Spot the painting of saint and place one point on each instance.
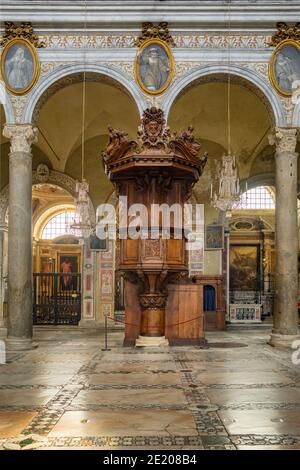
(214, 236)
(285, 68)
(19, 66)
(97, 244)
(68, 266)
(244, 267)
(154, 67)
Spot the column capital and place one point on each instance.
(285, 139)
(21, 136)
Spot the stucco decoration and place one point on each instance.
(117, 41)
(239, 224)
(289, 107)
(18, 103)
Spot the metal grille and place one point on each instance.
(56, 298)
(264, 296)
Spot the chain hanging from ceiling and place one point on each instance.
(228, 194)
(82, 225)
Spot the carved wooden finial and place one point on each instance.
(151, 31)
(285, 31)
(21, 31)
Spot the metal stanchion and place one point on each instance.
(105, 348)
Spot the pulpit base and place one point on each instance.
(151, 341)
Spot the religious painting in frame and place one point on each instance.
(97, 244)
(68, 265)
(244, 267)
(154, 66)
(214, 237)
(47, 264)
(20, 66)
(284, 67)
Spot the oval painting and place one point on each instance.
(19, 66)
(154, 67)
(285, 67)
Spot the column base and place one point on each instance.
(282, 341)
(151, 341)
(20, 344)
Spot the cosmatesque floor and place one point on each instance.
(239, 393)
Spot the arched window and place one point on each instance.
(261, 197)
(58, 225)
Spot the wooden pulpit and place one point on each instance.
(157, 168)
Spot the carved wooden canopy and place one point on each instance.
(155, 147)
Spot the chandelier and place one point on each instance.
(82, 226)
(228, 194)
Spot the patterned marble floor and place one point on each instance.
(238, 394)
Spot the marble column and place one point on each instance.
(19, 325)
(285, 327)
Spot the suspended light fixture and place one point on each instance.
(228, 194)
(82, 226)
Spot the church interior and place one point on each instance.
(140, 343)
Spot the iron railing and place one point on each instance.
(56, 298)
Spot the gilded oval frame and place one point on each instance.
(272, 76)
(170, 57)
(36, 64)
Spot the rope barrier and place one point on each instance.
(166, 326)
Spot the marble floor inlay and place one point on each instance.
(239, 393)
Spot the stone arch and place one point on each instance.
(7, 105)
(44, 217)
(68, 74)
(56, 178)
(265, 179)
(240, 75)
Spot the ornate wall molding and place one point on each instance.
(125, 41)
(18, 103)
(284, 32)
(289, 108)
(21, 31)
(249, 224)
(155, 31)
(260, 68)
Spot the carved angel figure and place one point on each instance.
(116, 138)
(189, 139)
